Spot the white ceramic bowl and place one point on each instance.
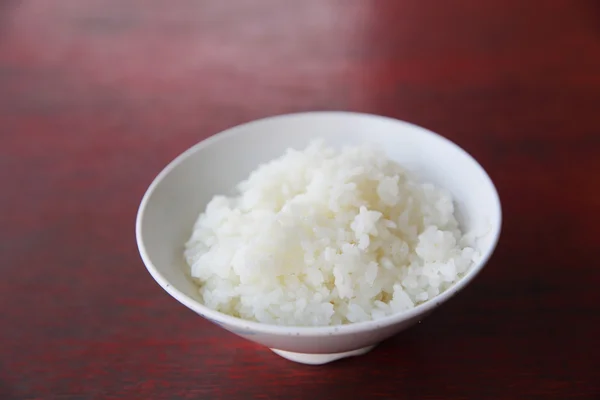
(181, 191)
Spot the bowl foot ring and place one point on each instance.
(318, 359)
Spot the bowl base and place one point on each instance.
(318, 359)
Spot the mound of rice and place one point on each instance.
(326, 237)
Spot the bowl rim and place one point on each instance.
(258, 327)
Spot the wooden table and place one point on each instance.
(96, 96)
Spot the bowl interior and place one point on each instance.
(182, 190)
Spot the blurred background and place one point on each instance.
(96, 96)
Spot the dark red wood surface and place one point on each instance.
(96, 96)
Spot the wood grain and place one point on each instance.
(97, 96)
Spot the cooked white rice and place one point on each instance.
(326, 237)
